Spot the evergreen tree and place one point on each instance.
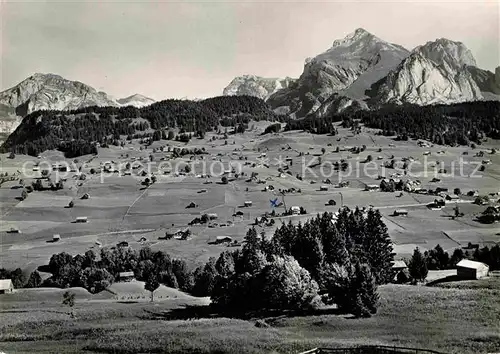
(35, 280)
(363, 296)
(377, 247)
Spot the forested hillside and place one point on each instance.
(77, 132)
(460, 123)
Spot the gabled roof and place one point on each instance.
(465, 263)
(6, 284)
(126, 274)
(399, 264)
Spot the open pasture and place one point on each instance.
(448, 320)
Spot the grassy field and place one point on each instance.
(450, 320)
(454, 317)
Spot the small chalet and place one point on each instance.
(372, 187)
(223, 239)
(126, 276)
(400, 212)
(123, 244)
(295, 210)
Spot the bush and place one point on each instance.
(273, 128)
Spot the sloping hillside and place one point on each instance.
(77, 132)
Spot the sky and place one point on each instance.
(167, 49)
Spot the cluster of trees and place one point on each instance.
(438, 259)
(96, 275)
(391, 185)
(314, 125)
(77, 132)
(490, 215)
(456, 124)
(272, 128)
(178, 152)
(344, 261)
(301, 266)
(19, 280)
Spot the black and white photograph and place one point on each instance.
(250, 177)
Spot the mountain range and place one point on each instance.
(359, 71)
(362, 71)
(53, 92)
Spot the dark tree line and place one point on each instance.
(456, 124)
(438, 259)
(97, 274)
(77, 132)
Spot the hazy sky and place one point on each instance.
(194, 49)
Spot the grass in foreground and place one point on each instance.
(448, 320)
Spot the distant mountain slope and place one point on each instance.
(136, 100)
(53, 92)
(348, 68)
(442, 71)
(257, 86)
(488, 82)
(77, 132)
(49, 91)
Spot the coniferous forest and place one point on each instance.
(456, 124)
(77, 132)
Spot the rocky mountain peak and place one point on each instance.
(359, 34)
(443, 51)
(252, 85)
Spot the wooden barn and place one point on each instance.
(467, 269)
(400, 212)
(6, 286)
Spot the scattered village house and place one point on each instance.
(6, 286)
(400, 212)
(295, 210)
(400, 270)
(223, 239)
(372, 187)
(467, 269)
(212, 216)
(248, 203)
(81, 219)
